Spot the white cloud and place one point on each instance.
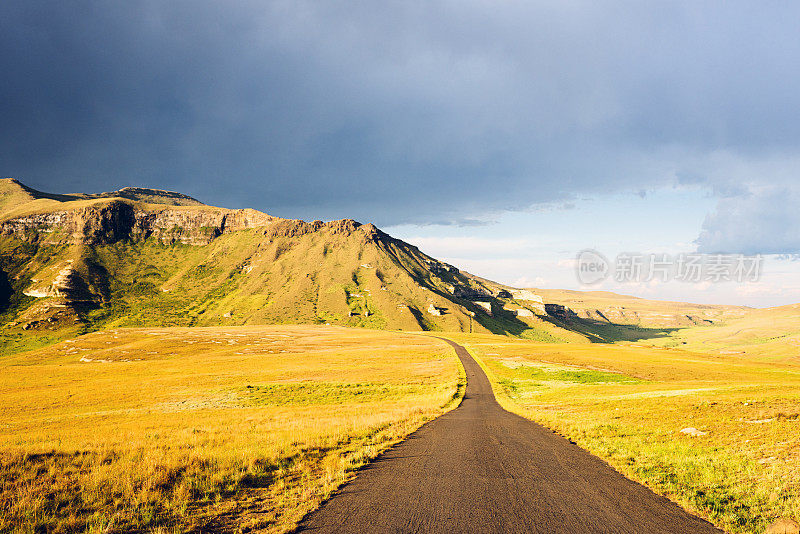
(471, 247)
(761, 220)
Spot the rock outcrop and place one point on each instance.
(433, 310)
(112, 221)
(486, 306)
(282, 228)
(557, 310)
(470, 293)
(526, 294)
(439, 267)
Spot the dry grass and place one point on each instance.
(220, 429)
(768, 334)
(630, 310)
(628, 404)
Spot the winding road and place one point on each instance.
(479, 468)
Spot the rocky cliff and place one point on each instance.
(111, 221)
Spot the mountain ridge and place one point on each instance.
(103, 260)
(147, 257)
(15, 194)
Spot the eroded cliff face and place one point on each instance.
(194, 226)
(95, 224)
(116, 220)
(288, 228)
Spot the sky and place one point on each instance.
(502, 137)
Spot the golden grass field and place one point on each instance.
(769, 334)
(228, 429)
(248, 428)
(628, 405)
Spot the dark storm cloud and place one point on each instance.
(397, 111)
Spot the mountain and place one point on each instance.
(149, 257)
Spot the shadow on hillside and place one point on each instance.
(502, 322)
(607, 332)
(508, 324)
(5, 291)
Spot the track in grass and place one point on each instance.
(480, 468)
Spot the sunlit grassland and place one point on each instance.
(769, 334)
(628, 404)
(235, 428)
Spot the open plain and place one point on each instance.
(220, 429)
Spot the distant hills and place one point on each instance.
(149, 257)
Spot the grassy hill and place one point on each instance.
(606, 317)
(765, 334)
(630, 310)
(136, 257)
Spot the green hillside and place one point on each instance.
(81, 262)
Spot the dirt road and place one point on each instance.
(480, 468)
